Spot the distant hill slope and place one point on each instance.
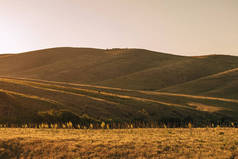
(223, 84)
(123, 68)
(174, 72)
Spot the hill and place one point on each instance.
(30, 100)
(81, 65)
(174, 72)
(223, 84)
(79, 84)
(123, 68)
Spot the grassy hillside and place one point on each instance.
(223, 84)
(174, 72)
(81, 65)
(123, 68)
(37, 101)
(77, 84)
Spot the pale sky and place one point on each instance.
(185, 27)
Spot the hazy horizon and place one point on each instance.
(184, 28)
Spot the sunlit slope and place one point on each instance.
(45, 100)
(223, 84)
(124, 68)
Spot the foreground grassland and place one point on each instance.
(121, 143)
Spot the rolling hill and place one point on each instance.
(223, 84)
(37, 100)
(123, 68)
(81, 65)
(74, 84)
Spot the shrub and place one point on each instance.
(190, 125)
(70, 125)
(103, 125)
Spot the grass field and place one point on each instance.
(119, 143)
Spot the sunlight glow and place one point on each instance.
(181, 27)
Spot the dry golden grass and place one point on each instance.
(124, 143)
(206, 108)
(190, 96)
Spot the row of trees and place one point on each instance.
(124, 124)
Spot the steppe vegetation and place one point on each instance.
(90, 103)
(119, 143)
(79, 85)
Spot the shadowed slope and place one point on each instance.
(18, 107)
(106, 103)
(174, 72)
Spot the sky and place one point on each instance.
(184, 27)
